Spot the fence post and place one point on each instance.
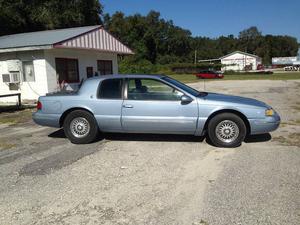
(19, 100)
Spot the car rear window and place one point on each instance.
(111, 89)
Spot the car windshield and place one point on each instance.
(184, 87)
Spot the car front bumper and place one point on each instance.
(50, 120)
(265, 125)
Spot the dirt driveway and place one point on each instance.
(156, 179)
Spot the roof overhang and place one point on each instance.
(240, 52)
(91, 49)
(26, 48)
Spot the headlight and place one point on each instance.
(269, 112)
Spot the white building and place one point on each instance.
(36, 63)
(287, 61)
(298, 58)
(240, 61)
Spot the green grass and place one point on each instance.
(290, 140)
(297, 106)
(4, 145)
(13, 115)
(189, 78)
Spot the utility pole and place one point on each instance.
(195, 57)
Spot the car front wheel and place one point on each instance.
(80, 127)
(226, 130)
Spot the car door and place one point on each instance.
(152, 106)
(108, 105)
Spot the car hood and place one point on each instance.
(231, 99)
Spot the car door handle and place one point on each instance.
(128, 106)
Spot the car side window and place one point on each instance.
(150, 89)
(111, 89)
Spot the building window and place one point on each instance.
(89, 72)
(67, 70)
(105, 67)
(28, 71)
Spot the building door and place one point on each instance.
(105, 67)
(89, 71)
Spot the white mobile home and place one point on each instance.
(239, 61)
(37, 63)
(287, 61)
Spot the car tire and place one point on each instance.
(226, 130)
(80, 127)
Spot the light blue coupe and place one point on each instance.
(153, 104)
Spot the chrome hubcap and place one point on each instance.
(80, 127)
(227, 131)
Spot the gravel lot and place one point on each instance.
(156, 179)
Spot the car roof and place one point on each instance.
(116, 76)
(92, 83)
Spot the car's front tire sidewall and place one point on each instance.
(223, 117)
(93, 127)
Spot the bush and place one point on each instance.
(134, 66)
(188, 68)
(232, 72)
(228, 72)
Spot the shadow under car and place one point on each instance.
(160, 137)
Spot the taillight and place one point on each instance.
(39, 106)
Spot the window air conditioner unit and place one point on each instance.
(15, 77)
(6, 78)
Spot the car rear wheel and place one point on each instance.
(226, 130)
(80, 127)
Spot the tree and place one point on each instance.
(250, 33)
(151, 37)
(17, 16)
(249, 39)
(206, 48)
(226, 44)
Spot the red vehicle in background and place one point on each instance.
(260, 67)
(209, 74)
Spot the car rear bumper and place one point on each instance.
(266, 125)
(50, 120)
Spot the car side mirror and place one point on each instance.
(186, 99)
